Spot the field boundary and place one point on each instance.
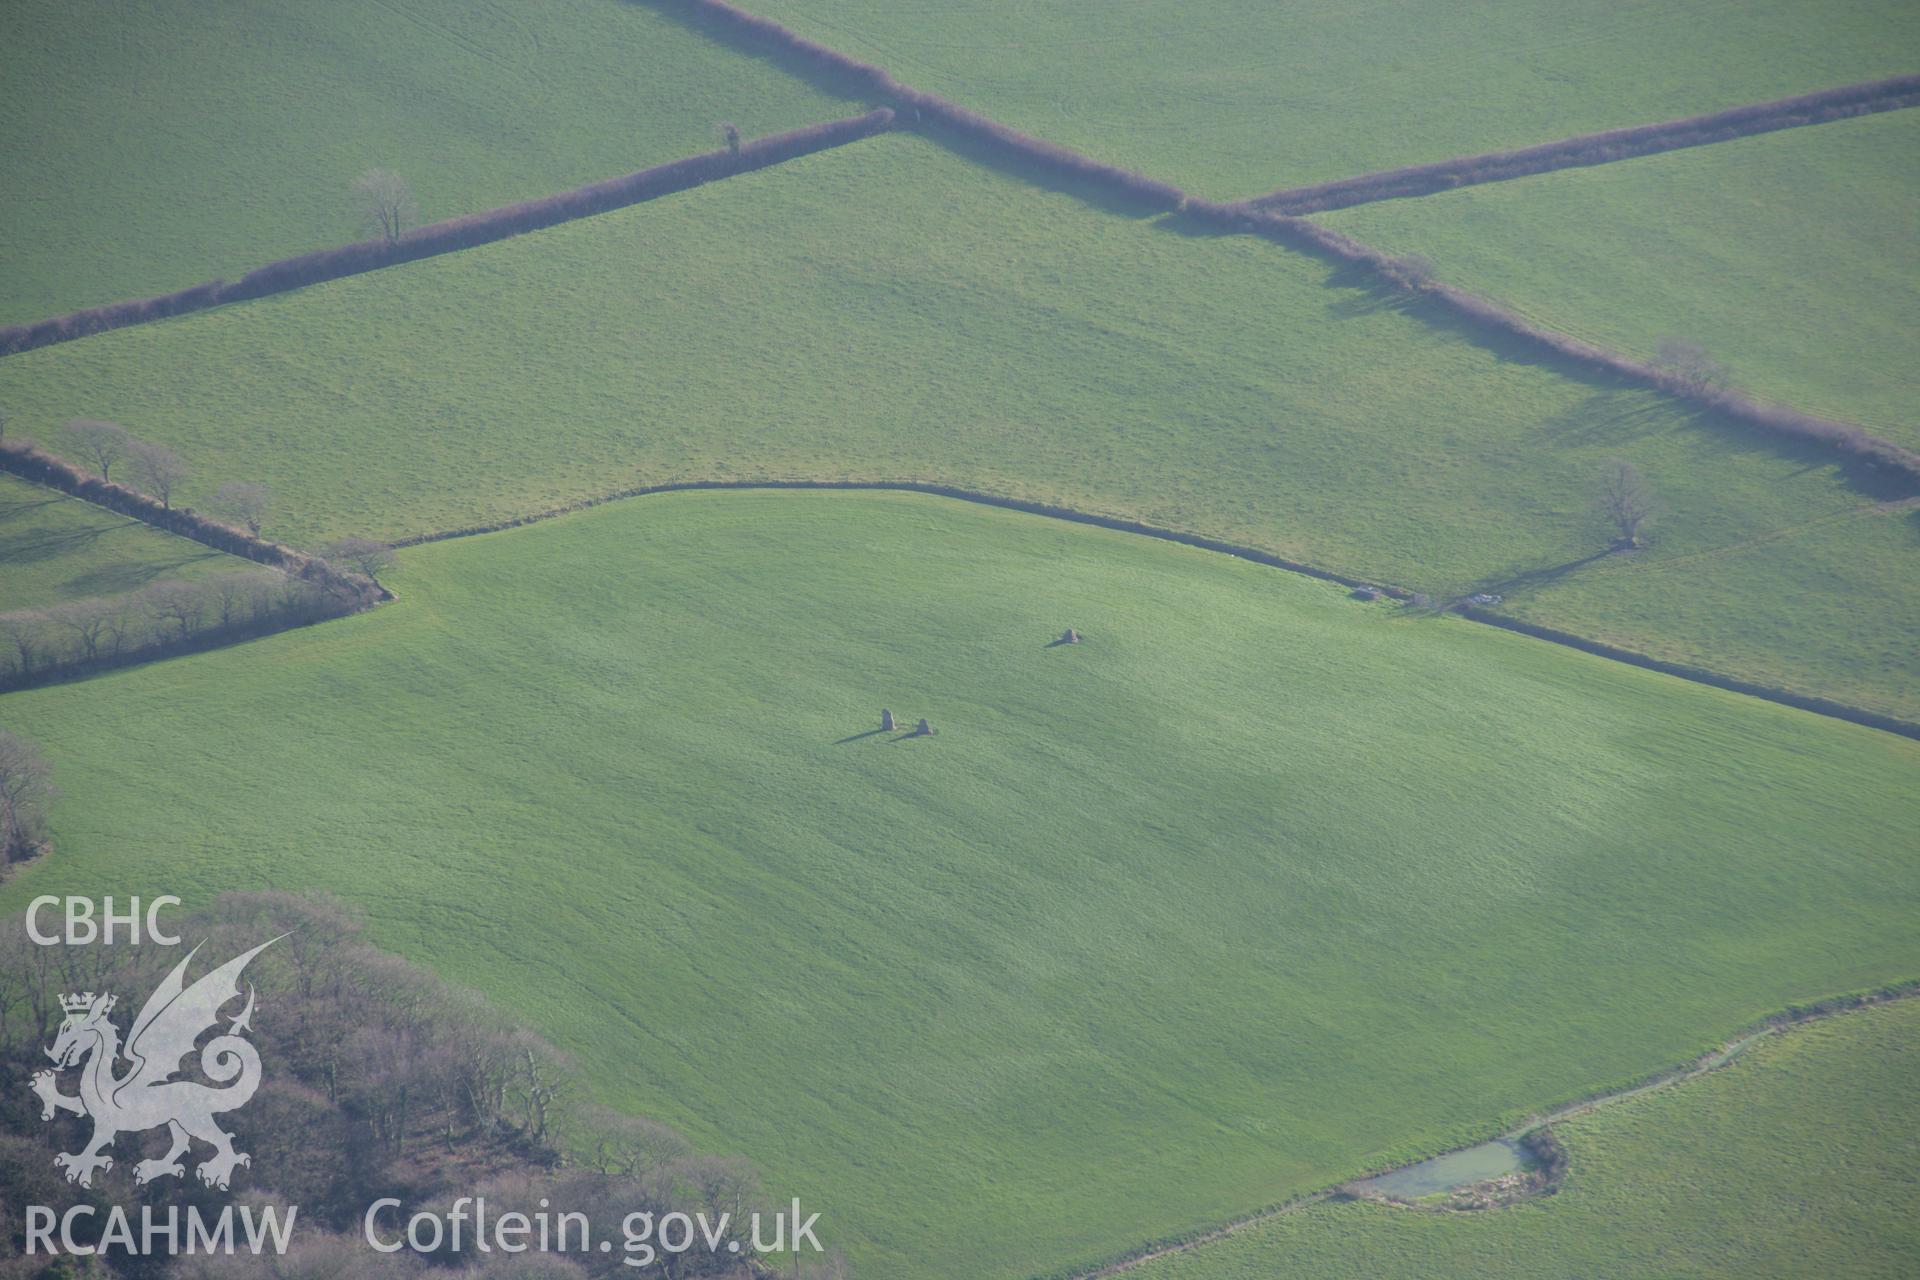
(1714, 1060)
(1584, 150)
(1122, 524)
(36, 466)
(464, 232)
(1483, 313)
(763, 36)
(290, 615)
(314, 591)
(1076, 171)
(1698, 675)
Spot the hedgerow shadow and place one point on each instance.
(21, 546)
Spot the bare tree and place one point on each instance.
(24, 631)
(722, 1184)
(121, 624)
(242, 502)
(101, 443)
(626, 1146)
(538, 1083)
(88, 621)
(181, 603)
(232, 593)
(386, 205)
(26, 788)
(159, 469)
(1626, 502)
(361, 554)
(1689, 364)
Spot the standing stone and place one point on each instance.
(886, 721)
(923, 727)
(1070, 636)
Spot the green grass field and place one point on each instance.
(1710, 605)
(1230, 98)
(1797, 1162)
(990, 334)
(1793, 257)
(174, 143)
(1255, 888)
(55, 549)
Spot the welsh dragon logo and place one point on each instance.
(146, 1096)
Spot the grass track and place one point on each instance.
(1231, 98)
(1794, 257)
(1016, 973)
(1797, 1161)
(991, 335)
(155, 145)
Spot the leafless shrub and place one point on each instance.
(242, 502)
(385, 204)
(90, 623)
(101, 443)
(364, 556)
(1689, 364)
(26, 633)
(183, 604)
(1626, 502)
(1410, 272)
(158, 470)
(627, 1146)
(26, 789)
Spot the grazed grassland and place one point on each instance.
(1798, 1161)
(1253, 889)
(1794, 258)
(55, 549)
(985, 333)
(154, 145)
(1230, 98)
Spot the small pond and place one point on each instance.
(1456, 1169)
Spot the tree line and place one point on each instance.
(150, 477)
(165, 618)
(172, 616)
(26, 790)
(378, 1080)
(158, 471)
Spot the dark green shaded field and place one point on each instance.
(1254, 889)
